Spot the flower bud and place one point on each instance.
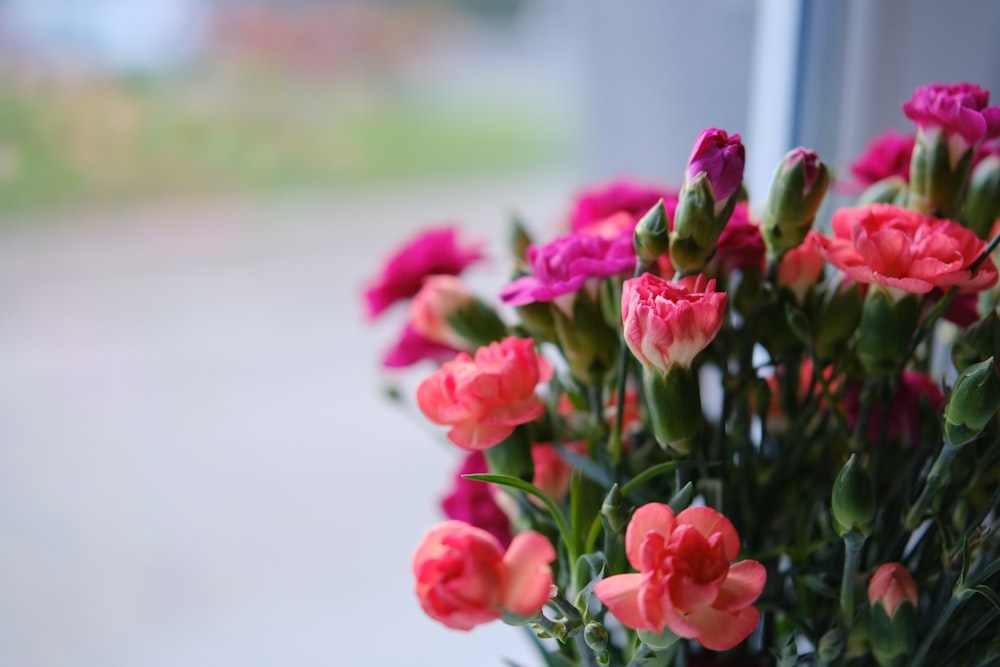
(890, 190)
(982, 204)
(614, 512)
(798, 188)
(652, 235)
(886, 328)
(972, 404)
(837, 317)
(706, 202)
(518, 238)
(853, 499)
(831, 646)
(596, 636)
(978, 342)
(892, 594)
(674, 403)
(589, 344)
(937, 174)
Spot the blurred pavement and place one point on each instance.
(196, 465)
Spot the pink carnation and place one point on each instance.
(686, 580)
(474, 503)
(436, 251)
(620, 196)
(957, 110)
(464, 577)
(892, 585)
(886, 155)
(669, 323)
(801, 267)
(905, 250)
(564, 266)
(483, 399)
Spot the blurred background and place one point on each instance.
(196, 464)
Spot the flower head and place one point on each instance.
(413, 347)
(484, 398)
(669, 323)
(437, 300)
(619, 196)
(473, 502)
(905, 250)
(885, 156)
(436, 251)
(563, 267)
(958, 110)
(686, 580)
(721, 157)
(464, 577)
(801, 267)
(892, 585)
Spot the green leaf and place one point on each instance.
(660, 469)
(989, 594)
(526, 487)
(588, 467)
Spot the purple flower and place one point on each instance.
(958, 110)
(886, 155)
(435, 251)
(567, 263)
(721, 157)
(473, 502)
(620, 196)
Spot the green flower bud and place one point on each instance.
(798, 188)
(652, 235)
(596, 636)
(837, 317)
(518, 238)
(674, 404)
(853, 499)
(982, 204)
(477, 322)
(537, 320)
(978, 342)
(936, 176)
(697, 226)
(885, 331)
(972, 404)
(614, 512)
(831, 645)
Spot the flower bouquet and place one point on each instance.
(698, 432)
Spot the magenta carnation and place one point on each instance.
(473, 501)
(566, 264)
(435, 251)
(958, 109)
(620, 196)
(886, 155)
(721, 156)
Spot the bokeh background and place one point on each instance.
(197, 466)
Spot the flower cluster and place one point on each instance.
(703, 432)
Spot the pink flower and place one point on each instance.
(906, 410)
(474, 503)
(905, 250)
(438, 299)
(892, 585)
(413, 347)
(552, 472)
(620, 196)
(741, 247)
(886, 155)
(686, 580)
(465, 579)
(669, 323)
(721, 157)
(562, 267)
(485, 398)
(801, 267)
(435, 251)
(959, 110)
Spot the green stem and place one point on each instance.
(853, 543)
(925, 645)
(934, 482)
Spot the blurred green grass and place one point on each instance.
(106, 141)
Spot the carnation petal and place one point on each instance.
(620, 594)
(721, 630)
(528, 583)
(742, 586)
(650, 518)
(479, 435)
(708, 522)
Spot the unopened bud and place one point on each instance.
(853, 499)
(885, 331)
(978, 342)
(972, 404)
(614, 511)
(674, 406)
(652, 235)
(982, 204)
(596, 636)
(798, 188)
(518, 238)
(892, 595)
